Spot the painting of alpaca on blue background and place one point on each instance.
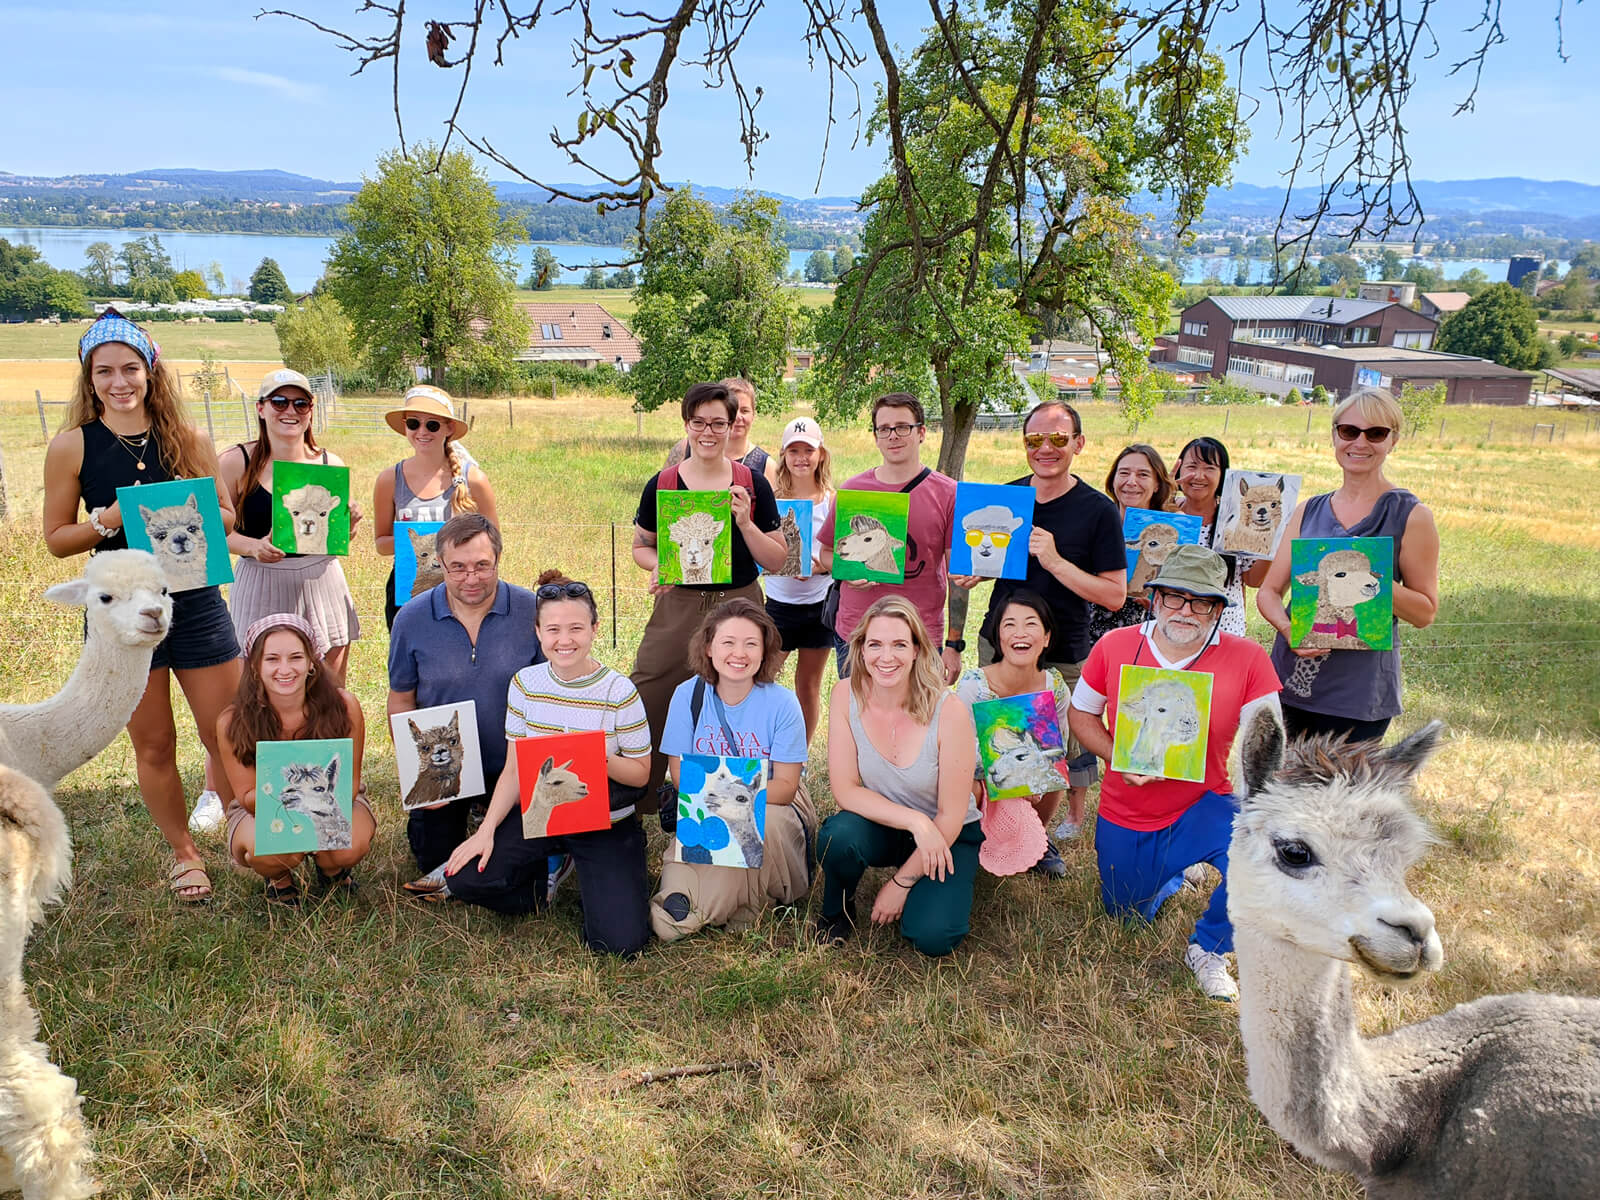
(1148, 537)
(722, 811)
(180, 522)
(303, 795)
(989, 536)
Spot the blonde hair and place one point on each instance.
(822, 472)
(927, 673)
(461, 500)
(1374, 404)
(182, 450)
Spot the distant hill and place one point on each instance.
(1463, 196)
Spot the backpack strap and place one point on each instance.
(668, 479)
(921, 475)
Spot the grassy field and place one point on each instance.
(224, 339)
(380, 1048)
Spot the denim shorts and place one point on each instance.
(201, 634)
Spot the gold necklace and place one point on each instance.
(133, 445)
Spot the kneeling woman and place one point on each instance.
(732, 709)
(286, 694)
(570, 692)
(900, 758)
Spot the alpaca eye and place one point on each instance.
(1295, 855)
(106, 597)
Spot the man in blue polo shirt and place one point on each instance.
(464, 640)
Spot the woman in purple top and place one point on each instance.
(1355, 692)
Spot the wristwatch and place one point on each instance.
(959, 645)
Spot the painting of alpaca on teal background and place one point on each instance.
(303, 795)
(180, 522)
(722, 811)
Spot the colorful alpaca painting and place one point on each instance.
(562, 784)
(180, 522)
(303, 795)
(989, 536)
(722, 811)
(310, 508)
(417, 568)
(797, 525)
(1149, 536)
(1019, 745)
(1341, 593)
(437, 754)
(694, 537)
(1253, 510)
(1163, 723)
(869, 536)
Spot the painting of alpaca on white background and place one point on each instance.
(310, 508)
(990, 532)
(436, 753)
(722, 811)
(303, 795)
(1163, 723)
(180, 522)
(1252, 511)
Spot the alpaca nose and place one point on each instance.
(153, 611)
(1412, 933)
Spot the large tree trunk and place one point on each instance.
(959, 420)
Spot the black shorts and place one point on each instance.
(201, 634)
(800, 625)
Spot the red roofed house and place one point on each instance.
(582, 333)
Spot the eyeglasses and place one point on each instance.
(558, 591)
(281, 403)
(1000, 540)
(898, 431)
(1200, 606)
(413, 424)
(1034, 440)
(700, 425)
(1374, 433)
(462, 570)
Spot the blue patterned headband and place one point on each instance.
(112, 326)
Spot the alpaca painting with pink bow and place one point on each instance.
(1341, 593)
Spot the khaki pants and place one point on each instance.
(662, 662)
(693, 895)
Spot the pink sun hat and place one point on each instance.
(1013, 836)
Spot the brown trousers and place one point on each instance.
(662, 662)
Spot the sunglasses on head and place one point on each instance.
(1374, 433)
(281, 403)
(413, 424)
(1034, 440)
(558, 591)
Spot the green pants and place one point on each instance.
(937, 915)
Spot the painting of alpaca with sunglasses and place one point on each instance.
(989, 536)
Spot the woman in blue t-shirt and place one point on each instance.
(729, 710)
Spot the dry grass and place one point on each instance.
(388, 1049)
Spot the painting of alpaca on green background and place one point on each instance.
(310, 508)
(869, 536)
(694, 537)
(1341, 593)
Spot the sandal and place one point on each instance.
(283, 890)
(427, 887)
(189, 875)
(342, 881)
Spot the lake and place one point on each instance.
(302, 257)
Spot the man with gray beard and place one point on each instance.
(1151, 828)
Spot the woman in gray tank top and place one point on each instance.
(1355, 693)
(900, 760)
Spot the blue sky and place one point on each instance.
(179, 83)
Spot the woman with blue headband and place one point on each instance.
(125, 425)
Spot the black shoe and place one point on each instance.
(837, 929)
(667, 798)
(1052, 865)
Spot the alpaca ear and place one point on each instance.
(193, 504)
(1309, 578)
(333, 770)
(415, 732)
(548, 763)
(1244, 486)
(1410, 753)
(74, 593)
(1261, 753)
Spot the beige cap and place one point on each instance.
(801, 429)
(275, 381)
(425, 400)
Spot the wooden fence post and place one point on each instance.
(44, 429)
(1309, 411)
(1227, 409)
(511, 417)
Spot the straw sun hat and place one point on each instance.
(425, 401)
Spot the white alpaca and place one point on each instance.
(311, 505)
(1496, 1098)
(1021, 762)
(695, 535)
(129, 612)
(44, 1149)
(1168, 716)
(988, 559)
(553, 787)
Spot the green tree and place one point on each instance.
(1420, 405)
(819, 267)
(595, 277)
(217, 281)
(621, 278)
(427, 272)
(1344, 270)
(1498, 323)
(1319, 395)
(843, 259)
(1390, 265)
(1226, 391)
(100, 267)
(32, 288)
(710, 299)
(149, 269)
(1427, 279)
(190, 285)
(267, 284)
(1573, 294)
(1294, 397)
(546, 270)
(1471, 282)
(315, 336)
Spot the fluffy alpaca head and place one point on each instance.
(1155, 541)
(868, 539)
(439, 748)
(1344, 578)
(696, 536)
(125, 595)
(1260, 505)
(178, 538)
(310, 505)
(1166, 707)
(1322, 845)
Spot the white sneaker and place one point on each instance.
(561, 866)
(1195, 877)
(207, 816)
(1211, 973)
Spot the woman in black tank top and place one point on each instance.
(125, 426)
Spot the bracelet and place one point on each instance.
(908, 886)
(94, 520)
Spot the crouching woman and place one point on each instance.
(900, 759)
(733, 709)
(286, 694)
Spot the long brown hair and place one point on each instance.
(255, 720)
(261, 452)
(927, 674)
(183, 452)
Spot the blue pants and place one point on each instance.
(1139, 871)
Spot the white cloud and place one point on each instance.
(290, 89)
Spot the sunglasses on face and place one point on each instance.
(1375, 433)
(999, 540)
(281, 403)
(562, 591)
(1034, 440)
(1200, 606)
(432, 426)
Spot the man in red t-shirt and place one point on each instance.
(1151, 828)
